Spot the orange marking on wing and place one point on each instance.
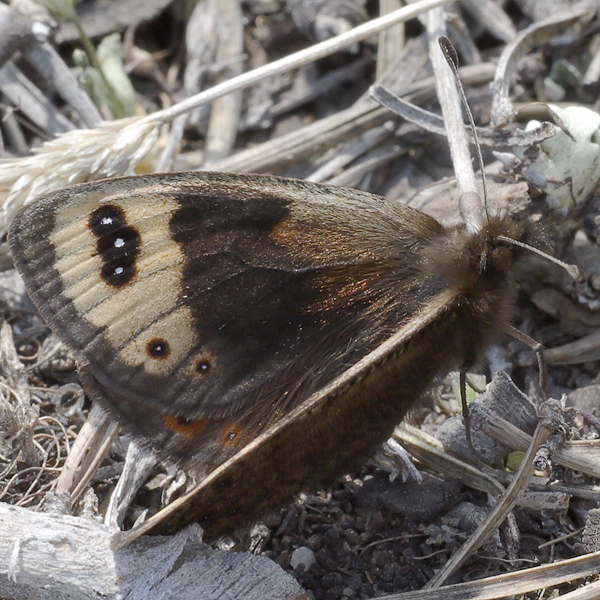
(232, 435)
(186, 429)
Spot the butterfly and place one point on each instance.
(264, 333)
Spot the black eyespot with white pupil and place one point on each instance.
(118, 244)
(203, 367)
(158, 348)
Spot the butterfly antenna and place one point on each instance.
(572, 270)
(451, 57)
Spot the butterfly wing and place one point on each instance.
(334, 428)
(203, 307)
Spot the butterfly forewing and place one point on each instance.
(213, 304)
(267, 331)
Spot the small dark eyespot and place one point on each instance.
(203, 367)
(158, 348)
(117, 274)
(232, 436)
(106, 219)
(184, 427)
(124, 242)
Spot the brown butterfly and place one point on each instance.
(265, 333)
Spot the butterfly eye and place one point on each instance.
(502, 258)
(158, 348)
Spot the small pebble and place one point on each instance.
(303, 557)
(314, 542)
(331, 580)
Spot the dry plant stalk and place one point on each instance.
(118, 146)
(80, 155)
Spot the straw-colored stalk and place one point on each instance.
(115, 148)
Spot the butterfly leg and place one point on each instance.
(538, 349)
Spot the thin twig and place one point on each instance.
(298, 59)
(505, 504)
